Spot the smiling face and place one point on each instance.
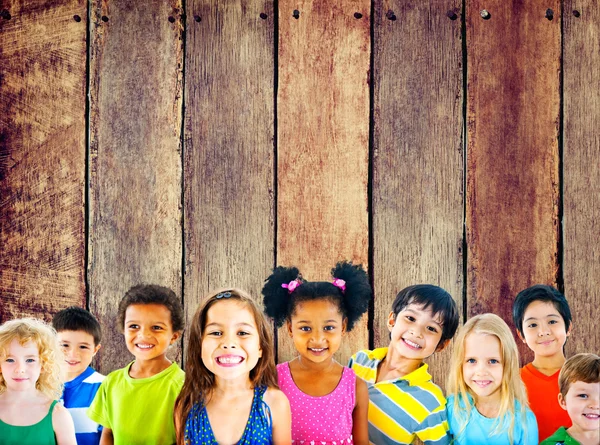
(21, 367)
(317, 327)
(582, 402)
(415, 331)
(230, 340)
(79, 349)
(148, 331)
(482, 365)
(544, 329)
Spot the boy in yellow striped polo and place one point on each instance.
(403, 401)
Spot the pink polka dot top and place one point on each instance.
(325, 420)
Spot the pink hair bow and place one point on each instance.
(291, 285)
(339, 283)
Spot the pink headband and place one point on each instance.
(291, 285)
(339, 283)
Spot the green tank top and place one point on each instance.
(41, 433)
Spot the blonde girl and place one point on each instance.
(487, 402)
(30, 384)
(230, 394)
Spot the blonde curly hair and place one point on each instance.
(26, 330)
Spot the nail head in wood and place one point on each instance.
(452, 15)
(549, 14)
(485, 14)
(390, 15)
(5, 14)
(171, 19)
(296, 14)
(77, 18)
(197, 18)
(263, 16)
(104, 18)
(576, 13)
(357, 15)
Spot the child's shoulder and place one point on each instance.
(368, 357)
(276, 399)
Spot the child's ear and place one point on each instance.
(344, 326)
(97, 348)
(562, 402)
(288, 324)
(521, 336)
(176, 335)
(391, 321)
(442, 345)
(570, 329)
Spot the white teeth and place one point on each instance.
(145, 346)
(317, 349)
(592, 416)
(229, 359)
(411, 343)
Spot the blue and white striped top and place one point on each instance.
(77, 397)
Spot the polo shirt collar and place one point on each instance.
(417, 377)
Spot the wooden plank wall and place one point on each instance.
(323, 143)
(42, 156)
(234, 135)
(581, 175)
(513, 114)
(135, 234)
(417, 156)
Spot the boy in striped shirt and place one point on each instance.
(79, 335)
(403, 401)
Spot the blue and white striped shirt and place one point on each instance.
(77, 397)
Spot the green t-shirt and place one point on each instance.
(560, 436)
(138, 411)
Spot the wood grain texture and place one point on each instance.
(323, 138)
(581, 175)
(42, 157)
(418, 156)
(135, 177)
(512, 156)
(229, 131)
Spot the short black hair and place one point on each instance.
(75, 318)
(540, 292)
(429, 295)
(152, 294)
(352, 302)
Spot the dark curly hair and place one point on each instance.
(280, 304)
(152, 294)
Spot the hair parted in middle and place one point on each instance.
(512, 388)
(350, 291)
(199, 380)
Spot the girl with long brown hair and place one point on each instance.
(230, 394)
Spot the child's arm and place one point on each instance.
(434, 429)
(360, 415)
(107, 437)
(281, 416)
(62, 423)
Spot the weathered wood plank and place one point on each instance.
(229, 161)
(512, 156)
(581, 175)
(135, 177)
(323, 138)
(42, 157)
(418, 156)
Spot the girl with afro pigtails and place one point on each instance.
(329, 404)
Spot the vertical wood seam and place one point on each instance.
(182, 157)
(371, 145)
(87, 163)
(560, 278)
(465, 247)
(275, 142)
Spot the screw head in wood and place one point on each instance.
(263, 16)
(197, 18)
(549, 14)
(5, 14)
(390, 15)
(77, 18)
(485, 14)
(576, 13)
(452, 15)
(296, 14)
(104, 18)
(357, 15)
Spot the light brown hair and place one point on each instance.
(579, 368)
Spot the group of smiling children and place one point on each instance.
(232, 392)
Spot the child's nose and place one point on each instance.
(228, 342)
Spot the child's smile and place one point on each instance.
(415, 332)
(21, 367)
(230, 340)
(148, 331)
(317, 327)
(544, 329)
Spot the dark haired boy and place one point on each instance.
(79, 335)
(579, 396)
(404, 403)
(543, 320)
(135, 403)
